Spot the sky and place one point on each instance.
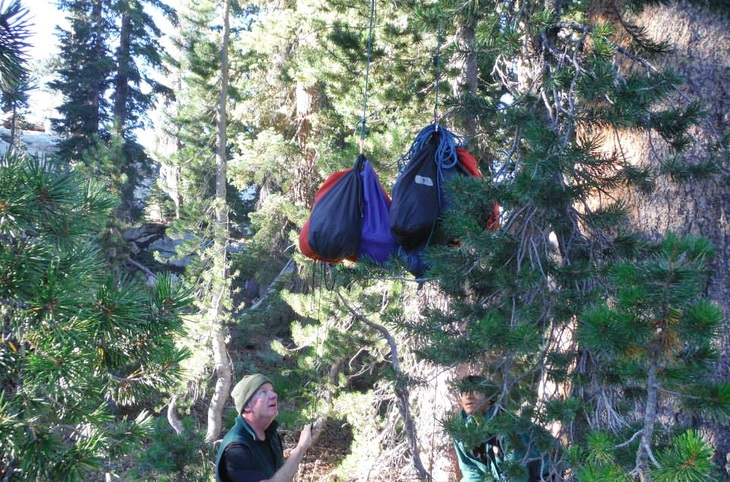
(43, 17)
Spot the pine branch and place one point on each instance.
(401, 390)
(288, 268)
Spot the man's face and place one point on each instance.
(474, 402)
(263, 403)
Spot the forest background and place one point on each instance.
(137, 283)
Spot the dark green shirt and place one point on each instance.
(243, 457)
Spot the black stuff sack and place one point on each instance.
(418, 196)
(335, 223)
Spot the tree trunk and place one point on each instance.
(121, 83)
(121, 95)
(97, 52)
(701, 46)
(220, 276)
(647, 433)
(306, 179)
(172, 418)
(466, 82)
(13, 125)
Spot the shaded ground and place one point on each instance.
(324, 456)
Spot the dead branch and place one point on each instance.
(401, 389)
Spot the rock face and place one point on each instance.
(150, 245)
(39, 144)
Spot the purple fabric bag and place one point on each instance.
(376, 242)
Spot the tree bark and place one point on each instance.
(306, 179)
(121, 83)
(220, 277)
(466, 82)
(172, 418)
(701, 46)
(97, 52)
(647, 433)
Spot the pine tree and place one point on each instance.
(689, 195)
(83, 79)
(108, 56)
(78, 342)
(13, 43)
(15, 80)
(220, 292)
(15, 101)
(525, 300)
(135, 90)
(199, 118)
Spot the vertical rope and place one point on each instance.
(367, 78)
(438, 76)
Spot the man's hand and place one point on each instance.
(310, 433)
(317, 427)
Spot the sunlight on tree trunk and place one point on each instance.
(220, 282)
(466, 81)
(700, 207)
(306, 179)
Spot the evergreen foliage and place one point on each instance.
(78, 342)
(583, 326)
(14, 33)
(107, 55)
(84, 76)
(170, 456)
(539, 305)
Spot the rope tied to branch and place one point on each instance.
(363, 120)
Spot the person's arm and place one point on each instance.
(309, 435)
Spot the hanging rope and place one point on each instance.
(362, 122)
(446, 156)
(438, 77)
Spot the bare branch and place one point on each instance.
(629, 441)
(401, 390)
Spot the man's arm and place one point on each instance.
(309, 435)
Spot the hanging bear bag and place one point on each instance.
(418, 197)
(377, 241)
(333, 231)
(349, 218)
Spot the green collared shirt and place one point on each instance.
(487, 461)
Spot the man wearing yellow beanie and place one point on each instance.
(251, 451)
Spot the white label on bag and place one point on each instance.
(426, 181)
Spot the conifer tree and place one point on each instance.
(13, 43)
(326, 48)
(199, 117)
(78, 342)
(108, 55)
(15, 101)
(83, 78)
(522, 300)
(15, 78)
(220, 289)
(135, 90)
(537, 305)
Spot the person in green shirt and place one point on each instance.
(252, 451)
(487, 460)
